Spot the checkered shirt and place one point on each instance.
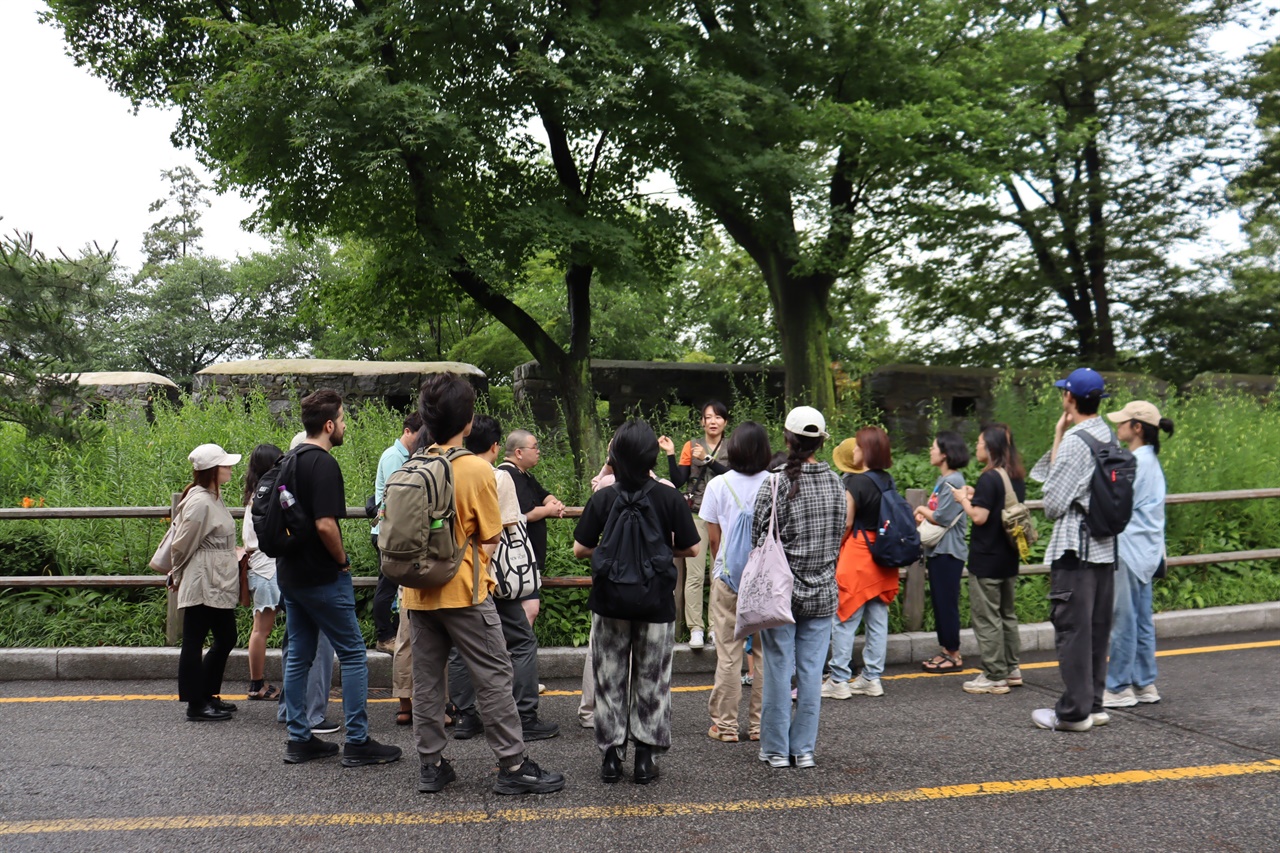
(810, 526)
(1066, 495)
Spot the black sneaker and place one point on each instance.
(432, 779)
(325, 727)
(298, 751)
(468, 725)
(369, 752)
(536, 729)
(528, 778)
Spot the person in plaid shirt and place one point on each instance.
(1082, 566)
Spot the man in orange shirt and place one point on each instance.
(445, 616)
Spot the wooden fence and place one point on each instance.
(913, 576)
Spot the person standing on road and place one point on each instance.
(994, 561)
(262, 577)
(810, 521)
(207, 575)
(700, 461)
(1131, 670)
(315, 583)
(1082, 566)
(631, 651)
(945, 560)
(447, 617)
(537, 504)
(386, 623)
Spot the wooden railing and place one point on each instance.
(913, 576)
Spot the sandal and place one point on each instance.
(753, 736)
(717, 733)
(944, 662)
(268, 691)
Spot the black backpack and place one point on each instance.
(282, 530)
(633, 572)
(1111, 488)
(897, 539)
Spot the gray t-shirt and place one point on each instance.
(953, 542)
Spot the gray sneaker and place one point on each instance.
(805, 762)
(863, 686)
(772, 760)
(1147, 695)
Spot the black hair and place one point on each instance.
(413, 423)
(952, 446)
(1001, 451)
(1151, 434)
(632, 453)
(261, 460)
(446, 402)
(716, 406)
(748, 451)
(318, 408)
(485, 433)
(1089, 403)
(778, 460)
(800, 448)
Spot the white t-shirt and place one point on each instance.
(259, 563)
(719, 506)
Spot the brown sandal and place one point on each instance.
(717, 733)
(944, 662)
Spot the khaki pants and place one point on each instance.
(726, 694)
(402, 663)
(689, 592)
(995, 624)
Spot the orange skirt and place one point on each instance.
(859, 577)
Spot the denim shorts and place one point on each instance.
(265, 592)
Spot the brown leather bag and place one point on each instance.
(246, 597)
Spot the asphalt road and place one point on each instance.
(926, 767)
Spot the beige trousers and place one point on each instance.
(695, 579)
(726, 693)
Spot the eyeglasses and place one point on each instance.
(530, 447)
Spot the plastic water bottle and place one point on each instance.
(286, 497)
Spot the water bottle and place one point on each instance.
(286, 497)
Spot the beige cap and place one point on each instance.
(1136, 410)
(842, 456)
(208, 456)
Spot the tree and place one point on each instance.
(42, 300)
(1257, 189)
(176, 235)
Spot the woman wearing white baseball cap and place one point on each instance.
(206, 575)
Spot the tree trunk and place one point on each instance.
(803, 322)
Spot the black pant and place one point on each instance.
(385, 623)
(944, 590)
(1081, 598)
(198, 680)
(522, 647)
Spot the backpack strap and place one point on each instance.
(475, 567)
(736, 499)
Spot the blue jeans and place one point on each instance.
(329, 609)
(799, 648)
(318, 680)
(1133, 635)
(876, 613)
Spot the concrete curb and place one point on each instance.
(136, 664)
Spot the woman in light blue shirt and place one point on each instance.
(1140, 550)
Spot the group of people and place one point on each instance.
(467, 657)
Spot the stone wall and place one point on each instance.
(131, 389)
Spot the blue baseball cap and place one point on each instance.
(1083, 382)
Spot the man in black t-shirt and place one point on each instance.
(315, 583)
(536, 503)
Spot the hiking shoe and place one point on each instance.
(528, 778)
(467, 725)
(1123, 699)
(536, 729)
(1101, 718)
(863, 686)
(774, 760)
(982, 684)
(298, 751)
(1014, 678)
(836, 689)
(325, 727)
(1147, 695)
(387, 646)
(1046, 718)
(696, 640)
(369, 752)
(433, 777)
(804, 762)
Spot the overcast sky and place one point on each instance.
(77, 166)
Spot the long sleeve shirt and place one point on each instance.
(390, 462)
(1141, 545)
(1066, 495)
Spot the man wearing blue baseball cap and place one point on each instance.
(1082, 566)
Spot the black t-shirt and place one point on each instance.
(320, 491)
(674, 516)
(991, 554)
(530, 494)
(865, 491)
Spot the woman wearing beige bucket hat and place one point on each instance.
(207, 577)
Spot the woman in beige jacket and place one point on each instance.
(206, 574)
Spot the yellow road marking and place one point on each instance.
(696, 688)
(655, 810)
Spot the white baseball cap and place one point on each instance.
(208, 456)
(807, 421)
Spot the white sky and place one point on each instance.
(77, 166)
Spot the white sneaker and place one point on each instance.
(711, 639)
(1045, 718)
(696, 639)
(774, 760)
(836, 689)
(1100, 719)
(1124, 699)
(863, 686)
(542, 688)
(1014, 678)
(1147, 695)
(982, 684)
